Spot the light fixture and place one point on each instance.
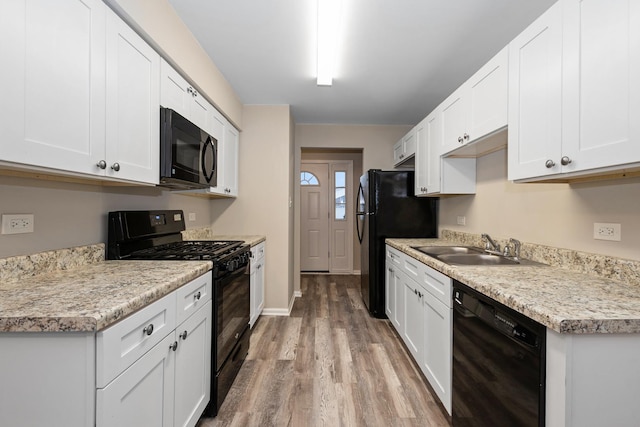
(329, 12)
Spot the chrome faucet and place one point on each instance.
(490, 246)
(515, 244)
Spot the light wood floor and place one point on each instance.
(328, 364)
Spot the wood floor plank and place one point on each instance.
(328, 364)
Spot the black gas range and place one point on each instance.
(156, 235)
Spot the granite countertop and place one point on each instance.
(88, 297)
(563, 300)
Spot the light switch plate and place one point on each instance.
(462, 220)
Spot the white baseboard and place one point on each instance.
(275, 312)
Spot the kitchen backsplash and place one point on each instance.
(623, 270)
(17, 267)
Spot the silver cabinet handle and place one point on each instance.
(102, 164)
(549, 164)
(460, 140)
(183, 335)
(148, 329)
(174, 346)
(565, 161)
(197, 296)
(466, 136)
(115, 167)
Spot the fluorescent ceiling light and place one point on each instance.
(329, 12)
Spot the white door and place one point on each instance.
(314, 217)
(341, 223)
(133, 99)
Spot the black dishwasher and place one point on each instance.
(498, 363)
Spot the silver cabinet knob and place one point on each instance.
(460, 140)
(183, 335)
(174, 346)
(549, 164)
(115, 167)
(565, 160)
(148, 330)
(197, 296)
(102, 164)
(466, 136)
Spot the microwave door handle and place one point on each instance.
(208, 175)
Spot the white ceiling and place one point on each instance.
(397, 61)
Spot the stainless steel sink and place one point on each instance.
(468, 255)
(476, 259)
(435, 251)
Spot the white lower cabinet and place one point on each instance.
(169, 385)
(256, 282)
(419, 306)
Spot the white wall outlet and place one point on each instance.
(16, 224)
(462, 220)
(192, 216)
(607, 231)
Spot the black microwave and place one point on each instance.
(188, 154)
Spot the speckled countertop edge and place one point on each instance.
(208, 234)
(75, 290)
(563, 300)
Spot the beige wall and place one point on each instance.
(375, 141)
(264, 186)
(68, 214)
(158, 22)
(560, 215)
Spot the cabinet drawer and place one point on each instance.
(436, 283)
(394, 255)
(411, 266)
(257, 251)
(118, 346)
(192, 296)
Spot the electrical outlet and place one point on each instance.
(607, 231)
(462, 220)
(16, 224)
(192, 216)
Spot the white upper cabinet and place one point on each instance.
(535, 97)
(179, 95)
(437, 175)
(229, 165)
(478, 107)
(53, 109)
(574, 91)
(405, 149)
(601, 84)
(83, 91)
(133, 99)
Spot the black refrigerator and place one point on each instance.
(387, 207)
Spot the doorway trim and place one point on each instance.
(337, 225)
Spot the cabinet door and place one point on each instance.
(390, 290)
(193, 367)
(53, 109)
(421, 158)
(133, 100)
(535, 98)
(487, 93)
(453, 120)
(601, 83)
(434, 143)
(229, 165)
(260, 288)
(438, 339)
(397, 152)
(175, 91)
(413, 316)
(143, 394)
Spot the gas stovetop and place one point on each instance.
(214, 250)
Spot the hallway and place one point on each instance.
(329, 364)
